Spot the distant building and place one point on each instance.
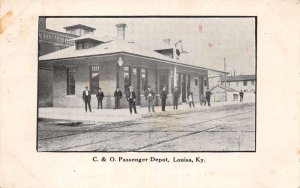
(219, 93)
(213, 81)
(245, 83)
(79, 29)
(51, 41)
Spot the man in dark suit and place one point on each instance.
(118, 96)
(150, 96)
(176, 95)
(86, 96)
(163, 96)
(100, 96)
(207, 96)
(131, 97)
(241, 96)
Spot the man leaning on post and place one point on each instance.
(176, 95)
(163, 96)
(118, 96)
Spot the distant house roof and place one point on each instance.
(238, 78)
(79, 26)
(62, 33)
(92, 37)
(229, 89)
(110, 45)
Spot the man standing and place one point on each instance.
(176, 95)
(131, 97)
(99, 96)
(86, 97)
(241, 96)
(207, 96)
(163, 96)
(149, 96)
(202, 100)
(118, 96)
(190, 98)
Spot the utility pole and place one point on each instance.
(225, 80)
(177, 60)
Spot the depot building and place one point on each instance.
(110, 62)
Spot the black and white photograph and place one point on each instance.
(147, 84)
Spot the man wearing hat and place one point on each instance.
(86, 97)
(163, 96)
(176, 95)
(131, 97)
(190, 98)
(99, 96)
(118, 96)
(149, 96)
(207, 96)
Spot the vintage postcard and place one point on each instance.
(107, 84)
(154, 94)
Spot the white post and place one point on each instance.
(175, 68)
(225, 80)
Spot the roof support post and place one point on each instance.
(175, 67)
(175, 76)
(117, 75)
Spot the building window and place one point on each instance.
(189, 81)
(178, 77)
(252, 82)
(237, 83)
(144, 79)
(126, 78)
(228, 83)
(205, 82)
(163, 82)
(70, 81)
(196, 81)
(57, 48)
(82, 45)
(134, 71)
(79, 45)
(245, 83)
(94, 79)
(73, 32)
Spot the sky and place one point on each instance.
(207, 40)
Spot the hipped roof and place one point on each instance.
(229, 89)
(79, 26)
(238, 78)
(111, 45)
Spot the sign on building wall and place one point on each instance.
(54, 37)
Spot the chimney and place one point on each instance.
(167, 41)
(42, 23)
(121, 31)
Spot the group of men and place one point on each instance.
(149, 97)
(86, 97)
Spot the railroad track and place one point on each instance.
(160, 129)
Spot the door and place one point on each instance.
(183, 86)
(201, 89)
(163, 80)
(135, 82)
